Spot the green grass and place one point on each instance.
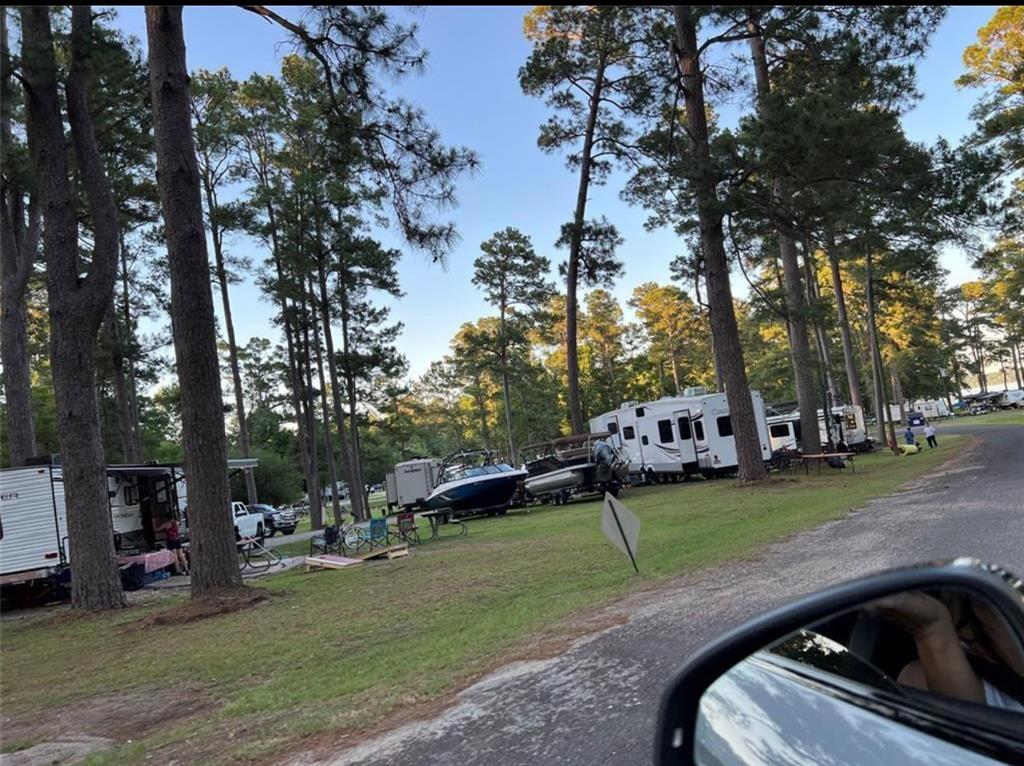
(1001, 418)
(336, 650)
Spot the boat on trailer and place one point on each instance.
(575, 465)
(472, 481)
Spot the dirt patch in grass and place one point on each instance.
(221, 602)
(120, 717)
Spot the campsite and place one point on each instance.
(502, 385)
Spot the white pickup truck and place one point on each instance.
(247, 524)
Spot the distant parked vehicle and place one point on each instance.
(247, 524)
(915, 419)
(274, 520)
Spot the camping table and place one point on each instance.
(151, 562)
(437, 518)
(825, 456)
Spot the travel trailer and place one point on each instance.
(33, 519)
(931, 408)
(412, 481)
(847, 425)
(679, 435)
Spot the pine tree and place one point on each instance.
(582, 64)
(512, 277)
(76, 305)
(214, 559)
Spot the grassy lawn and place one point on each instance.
(332, 651)
(1001, 418)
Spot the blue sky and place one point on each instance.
(471, 93)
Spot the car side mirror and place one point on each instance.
(923, 665)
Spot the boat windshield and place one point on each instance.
(456, 472)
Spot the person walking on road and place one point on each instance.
(929, 432)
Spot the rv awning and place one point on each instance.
(137, 470)
(242, 463)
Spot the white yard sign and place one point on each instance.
(621, 526)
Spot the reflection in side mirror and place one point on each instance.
(932, 674)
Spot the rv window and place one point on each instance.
(639, 412)
(724, 426)
(665, 432)
(131, 494)
(684, 429)
(698, 430)
(628, 433)
(779, 429)
(613, 427)
(643, 440)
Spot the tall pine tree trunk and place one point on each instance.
(506, 391)
(316, 512)
(882, 415)
(350, 388)
(77, 306)
(135, 451)
(572, 361)
(355, 492)
(332, 474)
(125, 416)
(220, 269)
(852, 375)
(821, 336)
(19, 242)
(212, 539)
(728, 349)
(291, 342)
(796, 305)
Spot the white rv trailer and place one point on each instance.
(1014, 399)
(33, 515)
(412, 482)
(847, 426)
(679, 435)
(930, 408)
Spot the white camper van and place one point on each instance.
(679, 435)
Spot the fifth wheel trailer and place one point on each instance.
(680, 435)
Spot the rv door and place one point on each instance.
(684, 440)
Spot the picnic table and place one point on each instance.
(821, 458)
(443, 516)
(150, 562)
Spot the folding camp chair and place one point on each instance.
(408, 532)
(327, 542)
(379, 536)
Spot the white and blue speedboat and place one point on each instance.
(472, 481)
